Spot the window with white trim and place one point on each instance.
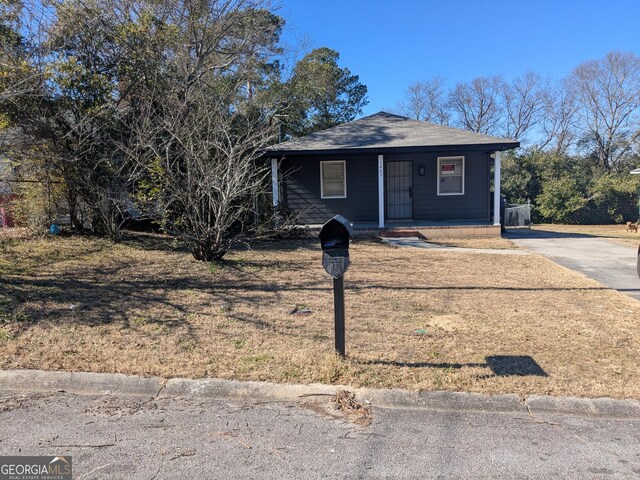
(333, 179)
(450, 175)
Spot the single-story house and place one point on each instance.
(385, 170)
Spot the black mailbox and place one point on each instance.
(336, 233)
(334, 240)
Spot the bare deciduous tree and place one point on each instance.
(557, 126)
(524, 103)
(203, 170)
(609, 94)
(197, 138)
(477, 106)
(427, 100)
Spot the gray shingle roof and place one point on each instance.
(384, 130)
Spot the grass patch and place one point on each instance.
(416, 318)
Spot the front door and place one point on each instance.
(398, 192)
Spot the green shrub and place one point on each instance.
(570, 189)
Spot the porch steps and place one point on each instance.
(397, 233)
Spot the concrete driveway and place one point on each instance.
(609, 263)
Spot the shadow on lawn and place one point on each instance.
(523, 233)
(500, 365)
(519, 365)
(323, 286)
(99, 295)
(105, 295)
(90, 300)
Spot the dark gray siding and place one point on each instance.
(428, 205)
(301, 189)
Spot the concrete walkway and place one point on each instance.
(609, 263)
(415, 242)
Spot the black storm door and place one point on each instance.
(398, 191)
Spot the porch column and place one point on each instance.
(381, 191)
(496, 190)
(274, 182)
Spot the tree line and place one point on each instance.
(113, 108)
(580, 135)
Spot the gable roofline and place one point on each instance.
(388, 132)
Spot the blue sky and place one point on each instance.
(391, 44)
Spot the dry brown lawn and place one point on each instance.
(616, 233)
(416, 318)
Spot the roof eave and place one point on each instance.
(488, 147)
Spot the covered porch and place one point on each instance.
(381, 207)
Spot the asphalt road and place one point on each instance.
(609, 263)
(128, 438)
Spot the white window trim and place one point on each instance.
(457, 157)
(344, 187)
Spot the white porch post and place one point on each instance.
(381, 191)
(496, 190)
(274, 182)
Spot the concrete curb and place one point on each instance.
(82, 383)
(155, 387)
(236, 389)
(606, 407)
(459, 401)
(216, 388)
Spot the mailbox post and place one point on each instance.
(334, 240)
